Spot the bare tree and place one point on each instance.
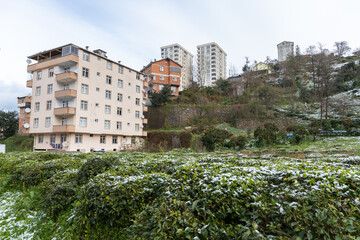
(311, 50)
(341, 48)
(233, 71)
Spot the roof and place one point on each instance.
(285, 42)
(176, 44)
(160, 61)
(211, 43)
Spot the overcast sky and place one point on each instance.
(134, 30)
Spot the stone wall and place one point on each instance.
(255, 123)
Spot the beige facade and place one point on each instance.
(83, 101)
(284, 50)
(211, 63)
(180, 55)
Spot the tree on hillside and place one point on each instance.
(312, 51)
(246, 66)
(224, 85)
(341, 48)
(9, 122)
(233, 71)
(158, 99)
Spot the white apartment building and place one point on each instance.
(285, 49)
(180, 55)
(211, 63)
(83, 101)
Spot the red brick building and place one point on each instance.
(163, 72)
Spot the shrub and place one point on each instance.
(94, 166)
(299, 132)
(269, 134)
(237, 143)
(213, 136)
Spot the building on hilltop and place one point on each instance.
(24, 105)
(83, 101)
(211, 63)
(285, 49)
(163, 72)
(180, 55)
(261, 67)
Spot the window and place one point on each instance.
(129, 97)
(39, 75)
(65, 104)
(161, 87)
(47, 122)
(49, 89)
(48, 105)
(51, 72)
(119, 97)
(137, 114)
(96, 104)
(78, 138)
(66, 86)
(108, 94)
(119, 111)
(109, 65)
(173, 89)
(132, 140)
(84, 105)
(84, 88)
(137, 89)
(102, 139)
(129, 84)
(137, 127)
(98, 89)
(63, 138)
(41, 139)
(96, 120)
(36, 122)
(120, 83)
(83, 122)
(162, 68)
(161, 77)
(86, 57)
(137, 76)
(52, 138)
(64, 121)
(174, 79)
(114, 139)
(121, 70)
(108, 79)
(37, 106)
(38, 91)
(107, 109)
(85, 72)
(137, 101)
(118, 125)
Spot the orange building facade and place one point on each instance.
(163, 72)
(24, 104)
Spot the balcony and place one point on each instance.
(66, 77)
(146, 84)
(29, 83)
(63, 61)
(144, 121)
(21, 105)
(63, 128)
(66, 94)
(145, 108)
(64, 111)
(144, 134)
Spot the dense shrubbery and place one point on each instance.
(269, 134)
(213, 136)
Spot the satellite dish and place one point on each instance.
(28, 61)
(26, 125)
(27, 110)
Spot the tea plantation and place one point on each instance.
(180, 195)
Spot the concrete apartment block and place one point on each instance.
(285, 49)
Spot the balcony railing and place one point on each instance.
(145, 108)
(66, 94)
(66, 77)
(64, 61)
(20, 105)
(144, 121)
(29, 83)
(64, 111)
(64, 128)
(144, 134)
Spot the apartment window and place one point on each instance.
(137, 101)
(66, 86)
(114, 139)
(129, 97)
(109, 65)
(86, 57)
(161, 77)
(48, 105)
(36, 122)
(162, 68)
(173, 89)
(64, 121)
(39, 75)
(83, 122)
(161, 87)
(175, 79)
(137, 114)
(107, 109)
(102, 139)
(108, 94)
(49, 88)
(129, 84)
(78, 138)
(51, 72)
(84, 105)
(119, 97)
(98, 73)
(119, 111)
(137, 76)
(47, 122)
(137, 89)
(137, 127)
(96, 120)
(41, 139)
(63, 138)
(121, 70)
(98, 89)
(38, 91)
(85, 72)
(52, 138)
(120, 83)
(37, 106)
(132, 140)
(84, 88)
(65, 104)
(108, 79)
(118, 125)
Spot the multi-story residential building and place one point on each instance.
(83, 101)
(211, 63)
(285, 49)
(182, 56)
(24, 103)
(163, 72)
